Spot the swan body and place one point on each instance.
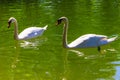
(27, 33)
(85, 41)
(32, 32)
(90, 40)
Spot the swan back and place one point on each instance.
(89, 40)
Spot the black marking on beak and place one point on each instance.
(9, 23)
(59, 21)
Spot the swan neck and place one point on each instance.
(16, 30)
(65, 33)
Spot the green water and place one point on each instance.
(44, 58)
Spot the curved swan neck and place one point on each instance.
(65, 33)
(15, 30)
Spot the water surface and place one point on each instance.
(44, 58)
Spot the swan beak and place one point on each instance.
(9, 22)
(58, 22)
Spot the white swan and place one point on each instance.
(87, 40)
(27, 33)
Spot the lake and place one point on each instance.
(44, 57)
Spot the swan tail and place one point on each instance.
(45, 28)
(112, 39)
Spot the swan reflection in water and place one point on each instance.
(33, 43)
(91, 56)
(83, 56)
(77, 52)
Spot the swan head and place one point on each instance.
(11, 20)
(62, 19)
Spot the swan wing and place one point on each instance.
(104, 41)
(31, 32)
(88, 40)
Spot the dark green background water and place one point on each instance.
(44, 58)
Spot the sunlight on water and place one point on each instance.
(117, 69)
(117, 74)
